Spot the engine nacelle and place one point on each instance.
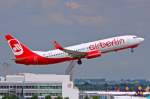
(93, 54)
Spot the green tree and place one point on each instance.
(96, 97)
(86, 97)
(66, 98)
(106, 86)
(10, 97)
(34, 97)
(14, 97)
(48, 97)
(59, 97)
(6, 97)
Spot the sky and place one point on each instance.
(37, 23)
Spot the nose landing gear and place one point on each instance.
(132, 50)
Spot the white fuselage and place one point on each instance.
(105, 45)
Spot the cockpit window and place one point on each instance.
(135, 37)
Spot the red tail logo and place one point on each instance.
(16, 47)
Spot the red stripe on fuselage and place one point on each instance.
(36, 59)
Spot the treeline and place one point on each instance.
(108, 87)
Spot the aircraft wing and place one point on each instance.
(72, 53)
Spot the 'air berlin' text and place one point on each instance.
(106, 44)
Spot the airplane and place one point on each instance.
(26, 56)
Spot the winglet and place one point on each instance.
(58, 46)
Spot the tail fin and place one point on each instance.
(18, 49)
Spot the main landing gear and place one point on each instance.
(132, 50)
(79, 61)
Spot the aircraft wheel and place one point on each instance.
(79, 62)
(132, 50)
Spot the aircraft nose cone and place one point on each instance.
(141, 39)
